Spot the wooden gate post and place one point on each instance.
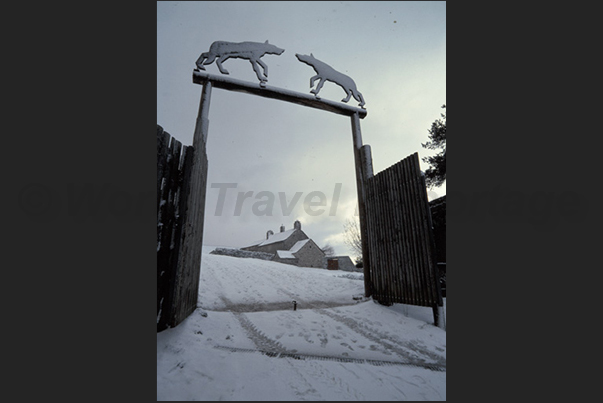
(202, 124)
(363, 166)
(192, 242)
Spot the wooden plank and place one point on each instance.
(420, 229)
(410, 283)
(198, 223)
(412, 225)
(171, 227)
(165, 262)
(422, 240)
(232, 84)
(162, 284)
(374, 230)
(381, 237)
(430, 262)
(390, 238)
(162, 144)
(407, 257)
(180, 286)
(411, 272)
(370, 209)
(192, 238)
(384, 260)
(401, 285)
(412, 236)
(371, 225)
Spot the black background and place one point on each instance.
(80, 107)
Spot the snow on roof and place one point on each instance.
(280, 236)
(298, 245)
(256, 243)
(285, 254)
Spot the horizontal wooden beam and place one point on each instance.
(232, 84)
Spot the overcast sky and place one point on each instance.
(394, 51)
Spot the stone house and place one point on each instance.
(343, 263)
(291, 247)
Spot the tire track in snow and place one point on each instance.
(261, 341)
(276, 306)
(303, 357)
(398, 347)
(406, 350)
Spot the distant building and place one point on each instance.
(291, 247)
(340, 263)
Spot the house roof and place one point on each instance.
(290, 254)
(285, 254)
(298, 245)
(278, 237)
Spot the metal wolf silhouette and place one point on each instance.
(327, 73)
(251, 51)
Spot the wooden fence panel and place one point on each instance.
(402, 249)
(179, 200)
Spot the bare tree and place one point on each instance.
(328, 250)
(351, 236)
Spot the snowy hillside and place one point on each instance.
(245, 341)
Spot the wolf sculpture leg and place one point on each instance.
(346, 99)
(221, 60)
(358, 97)
(200, 60)
(318, 87)
(256, 68)
(264, 66)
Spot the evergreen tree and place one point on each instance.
(436, 174)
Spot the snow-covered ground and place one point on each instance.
(245, 341)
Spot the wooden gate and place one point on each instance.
(397, 241)
(400, 237)
(181, 177)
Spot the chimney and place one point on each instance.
(282, 228)
(269, 233)
(297, 225)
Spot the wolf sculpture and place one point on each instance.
(324, 72)
(220, 51)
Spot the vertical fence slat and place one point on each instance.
(423, 241)
(391, 240)
(420, 223)
(370, 219)
(408, 222)
(166, 269)
(385, 258)
(402, 286)
(409, 292)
